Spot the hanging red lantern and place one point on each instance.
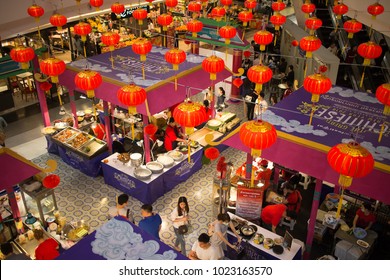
(278, 6)
(164, 20)
(310, 44)
(51, 181)
(323, 68)
(82, 29)
(52, 67)
(383, 96)
(368, 51)
(259, 74)
(257, 135)
(245, 17)
(96, 3)
(263, 38)
(150, 2)
(140, 14)
(150, 129)
(175, 57)
(352, 26)
(375, 10)
(190, 114)
(237, 82)
(213, 64)
(295, 43)
(171, 3)
(250, 5)
(45, 86)
(142, 47)
(211, 153)
(227, 32)
(340, 9)
(117, 8)
(350, 160)
(22, 55)
(218, 13)
(194, 7)
(58, 20)
(131, 96)
(308, 8)
(110, 39)
(247, 54)
(35, 11)
(313, 23)
(226, 3)
(194, 26)
(277, 20)
(317, 84)
(88, 80)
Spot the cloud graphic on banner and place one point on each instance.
(137, 80)
(379, 153)
(116, 240)
(348, 93)
(195, 58)
(159, 50)
(291, 125)
(205, 36)
(94, 67)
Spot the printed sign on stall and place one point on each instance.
(249, 202)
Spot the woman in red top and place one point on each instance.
(364, 217)
(47, 249)
(171, 139)
(273, 214)
(293, 198)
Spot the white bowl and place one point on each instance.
(155, 167)
(166, 161)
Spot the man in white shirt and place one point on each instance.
(261, 105)
(203, 250)
(121, 208)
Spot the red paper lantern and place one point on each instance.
(250, 4)
(257, 135)
(350, 160)
(383, 95)
(247, 54)
(237, 82)
(295, 43)
(213, 64)
(150, 2)
(52, 67)
(96, 3)
(117, 8)
(35, 11)
(323, 68)
(211, 153)
(88, 80)
(368, 51)
(142, 47)
(245, 17)
(23, 55)
(175, 57)
(45, 86)
(51, 181)
(317, 84)
(310, 44)
(110, 39)
(263, 38)
(150, 129)
(259, 74)
(308, 8)
(277, 20)
(278, 6)
(131, 96)
(82, 29)
(340, 9)
(58, 20)
(352, 26)
(171, 3)
(313, 23)
(140, 15)
(194, 7)
(164, 20)
(226, 3)
(190, 114)
(194, 26)
(227, 32)
(218, 13)
(375, 10)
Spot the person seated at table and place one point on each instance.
(47, 249)
(203, 250)
(293, 198)
(121, 208)
(364, 217)
(271, 215)
(8, 251)
(151, 222)
(171, 137)
(264, 173)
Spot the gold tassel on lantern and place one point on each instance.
(345, 181)
(132, 110)
(90, 93)
(381, 132)
(364, 72)
(258, 88)
(189, 130)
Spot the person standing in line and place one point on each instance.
(121, 208)
(290, 75)
(203, 250)
(151, 222)
(179, 217)
(261, 105)
(3, 125)
(221, 99)
(250, 100)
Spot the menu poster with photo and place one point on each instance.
(249, 202)
(287, 240)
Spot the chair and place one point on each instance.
(289, 223)
(26, 90)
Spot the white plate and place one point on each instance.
(362, 243)
(214, 123)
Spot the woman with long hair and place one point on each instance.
(179, 217)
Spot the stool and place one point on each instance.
(289, 223)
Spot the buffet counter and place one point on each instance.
(121, 176)
(254, 251)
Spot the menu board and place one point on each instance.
(287, 240)
(249, 202)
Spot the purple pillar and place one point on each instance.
(313, 217)
(249, 162)
(237, 62)
(13, 203)
(145, 120)
(107, 125)
(41, 97)
(73, 108)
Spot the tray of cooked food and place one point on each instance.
(66, 135)
(79, 140)
(48, 130)
(93, 147)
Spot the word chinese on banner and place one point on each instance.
(249, 202)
